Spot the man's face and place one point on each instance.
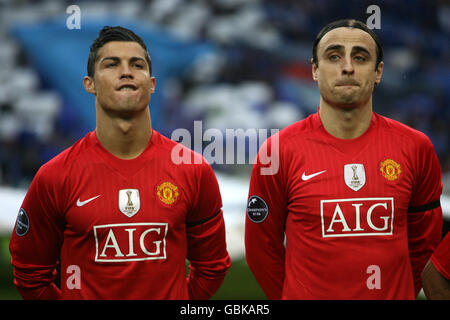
(122, 82)
(346, 71)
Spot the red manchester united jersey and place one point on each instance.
(343, 219)
(121, 229)
(441, 257)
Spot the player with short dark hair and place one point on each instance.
(114, 210)
(108, 34)
(348, 23)
(352, 210)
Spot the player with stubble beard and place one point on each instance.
(353, 211)
(114, 207)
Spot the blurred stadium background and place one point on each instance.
(231, 63)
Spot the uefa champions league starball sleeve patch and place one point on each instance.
(22, 223)
(257, 209)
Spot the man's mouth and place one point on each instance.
(347, 83)
(127, 87)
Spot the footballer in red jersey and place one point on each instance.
(351, 209)
(436, 275)
(114, 210)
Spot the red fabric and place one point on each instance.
(77, 208)
(206, 272)
(441, 257)
(343, 243)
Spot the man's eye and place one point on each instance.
(112, 64)
(360, 58)
(333, 57)
(139, 66)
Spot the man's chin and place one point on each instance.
(125, 110)
(129, 104)
(343, 103)
(347, 105)
(347, 101)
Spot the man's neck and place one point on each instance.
(124, 137)
(345, 123)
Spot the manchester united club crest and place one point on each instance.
(168, 193)
(129, 202)
(354, 176)
(390, 169)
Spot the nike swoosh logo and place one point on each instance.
(82, 203)
(306, 177)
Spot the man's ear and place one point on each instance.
(89, 86)
(314, 69)
(152, 84)
(379, 72)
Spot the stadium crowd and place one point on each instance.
(260, 77)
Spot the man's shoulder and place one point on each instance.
(178, 154)
(403, 132)
(294, 133)
(61, 162)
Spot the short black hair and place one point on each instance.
(349, 23)
(108, 34)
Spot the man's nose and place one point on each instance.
(347, 67)
(125, 71)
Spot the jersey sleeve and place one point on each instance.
(441, 257)
(265, 221)
(37, 238)
(206, 245)
(424, 219)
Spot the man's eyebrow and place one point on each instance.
(357, 49)
(333, 47)
(110, 58)
(134, 59)
(117, 59)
